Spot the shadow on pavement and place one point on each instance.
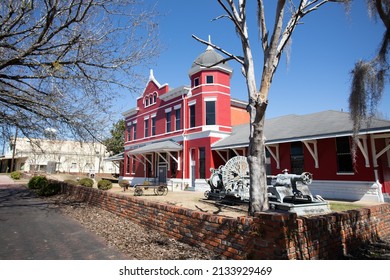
(33, 229)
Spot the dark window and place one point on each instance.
(296, 156)
(133, 166)
(162, 158)
(149, 172)
(192, 116)
(268, 162)
(147, 128)
(150, 99)
(177, 117)
(153, 126)
(134, 131)
(196, 82)
(210, 112)
(168, 116)
(127, 164)
(344, 157)
(174, 166)
(202, 163)
(129, 133)
(209, 79)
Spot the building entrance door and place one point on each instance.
(162, 174)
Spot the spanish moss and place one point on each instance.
(369, 77)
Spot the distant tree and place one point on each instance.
(115, 143)
(273, 42)
(63, 62)
(370, 77)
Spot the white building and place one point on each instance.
(52, 156)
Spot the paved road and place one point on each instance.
(32, 229)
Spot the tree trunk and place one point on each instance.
(258, 100)
(256, 159)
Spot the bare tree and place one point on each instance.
(63, 62)
(369, 77)
(273, 42)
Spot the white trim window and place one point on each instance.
(178, 119)
(209, 79)
(146, 127)
(153, 126)
(192, 116)
(196, 81)
(344, 156)
(134, 130)
(168, 120)
(210, 112)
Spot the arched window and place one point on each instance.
(150, 99)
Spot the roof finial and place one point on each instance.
(209, 47)
(151, 76)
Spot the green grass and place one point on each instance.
(344, 206)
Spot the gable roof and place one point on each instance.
(292, 128)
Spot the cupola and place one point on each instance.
(208, 58)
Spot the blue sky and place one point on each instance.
(323, 52)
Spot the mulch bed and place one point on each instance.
(135, 241)
(141, 243)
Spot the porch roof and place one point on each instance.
(117, 157)
(162, 147)
(7, 157)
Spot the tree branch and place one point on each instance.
(383, 15)
(230, 56)
(262, 24)
(66, 58)
(234, 16)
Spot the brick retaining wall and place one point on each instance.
(265, 236)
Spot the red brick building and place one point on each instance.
(170, 133)
(177, 135)
(320, 143)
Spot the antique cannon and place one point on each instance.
(290, 193)
(290, 187)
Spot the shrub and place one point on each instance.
(52, 188)
(124, 184)
(16, 175)
(37, 182)
(86, 182)
(71, 182)
(104, 185)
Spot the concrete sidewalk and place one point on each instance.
(32, 229)
(6, 180)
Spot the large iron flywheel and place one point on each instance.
(235, 173)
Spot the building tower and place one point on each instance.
(208, 115)
(210, 82)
